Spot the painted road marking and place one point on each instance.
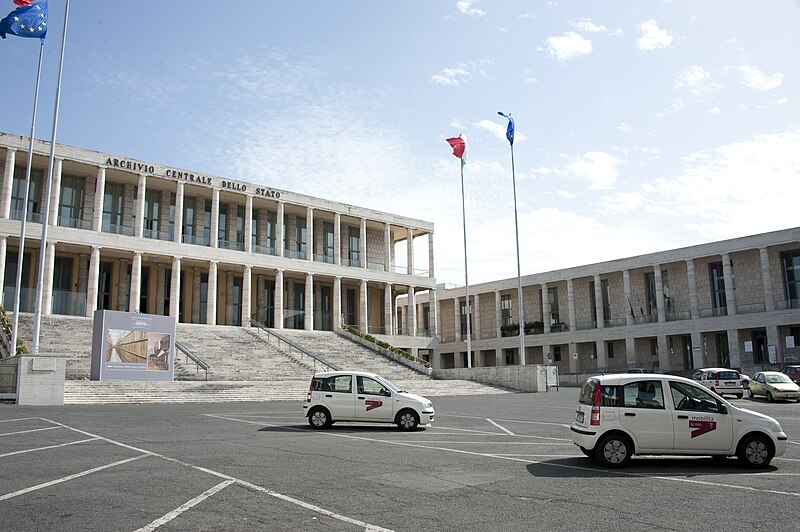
(185, 506)
(499, 427)
(48, 447)
(27, 431)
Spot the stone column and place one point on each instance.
(337, 241)
(412, 312)
(248, 224)
(598, 302)
(766, 280)
(387, 247)
(122, 286)
(136, 282)
(363, 318)
(55, 193)
(247, 290)
(410, 250)
(664, 362)
(602, 355)
(457, 317)
(498, 315)
(337, 302)
(160, 289)
(694, 303)
(476, 300)
(362, 242)
(279, 298)
(661, 306)
(177, 234)
(734, 350)
(310, 235)
(211, 304)
(626, 284)
(630, 352)
(228, 298)
(214, 238)
(574, 363)
(140, 193)
(308, 313)
(280, 227)
(730, 289)
(195, 295)
(47, 283)
(436, 312)
(387, 308)
(93, 282)
(572, 317)
(8, 183)
(546, 310)
(175, 289)
(698, 356)
(99, 194)
(430, 256)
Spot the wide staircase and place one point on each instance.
(245, 364)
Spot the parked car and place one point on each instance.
(359, 396)
(622, 415)
(722, 381)
(773, 385)
(793, 372)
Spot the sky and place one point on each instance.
(641, 125)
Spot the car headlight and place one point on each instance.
(427, 405)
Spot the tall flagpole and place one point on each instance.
(43, 252)
(21, 254)
(466, 274)
(510, 137)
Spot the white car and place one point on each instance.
(722, 381)
(622, 415)
(363, 397)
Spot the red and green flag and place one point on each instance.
(459, 145)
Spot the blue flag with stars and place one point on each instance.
(26, 21)
(510, 129)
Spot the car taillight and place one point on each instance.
(310, 389)
(595, 417)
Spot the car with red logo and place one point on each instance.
(363, 397)
(622, 415)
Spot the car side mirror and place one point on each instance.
(723, 409)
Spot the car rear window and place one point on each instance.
(727, 375)
(586, 396)
(608, 394)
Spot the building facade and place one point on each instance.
(734, 303)
(131, 235)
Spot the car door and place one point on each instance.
(373, 400)
(700, 421)
(758, 384)
(644, 416)
(338, 397)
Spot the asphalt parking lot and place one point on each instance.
(501, 462)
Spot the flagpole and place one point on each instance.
(43, 251)
(20, 253)
(466, 275)
(519, 272)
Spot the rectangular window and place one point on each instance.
(34, 194)
(327, 242)
(354, 239)
(552, 297)
(271, 230)
(152, 211)
(556, 353)
(717, 279)
(70, 210)
(606, 295)
(610, 349)
(222, 227)
(240, 226)
(300, 236)
(464, 318)
(113, 205)
(171, 229)
(651, 303)
(188, 220)
(790, 264)
(254, 229)
(505, 309)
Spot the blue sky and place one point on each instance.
(642, 125)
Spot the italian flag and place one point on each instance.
(459, 145)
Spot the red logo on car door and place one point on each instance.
(702, 425)
(372, 404)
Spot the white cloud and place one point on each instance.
(713, 111)
(597, 167)
(469, 7)
(565, 194)
(621, 203)
(758, 80)
(568, 46)
(652, 37)
(498, 130)
(586, 24)
(624, 128)
(452, 76)
(696, 80)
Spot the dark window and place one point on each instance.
(643, 394)
(790, 263)
(717, 279)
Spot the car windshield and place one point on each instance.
(777, 379)
(728, 375)
(391, 386)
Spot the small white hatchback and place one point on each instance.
(624, 414)
(363, 397)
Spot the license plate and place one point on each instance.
(579, 417)
(730, 384)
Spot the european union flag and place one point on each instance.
(26, 21)
(510, 129)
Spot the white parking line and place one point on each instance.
(48, 447)
(185, 506)
(367, 526)
(17, 419)
(27, 431)
(499, 427)
(70, 477)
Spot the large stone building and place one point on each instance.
(734, 303)
(132, 235)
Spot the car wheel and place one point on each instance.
(614, 451)
(407, 420)
(755, 451)
(319, 418)
(770, 398)
(750, 393)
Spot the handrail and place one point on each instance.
(317, 358)
(189, 355)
